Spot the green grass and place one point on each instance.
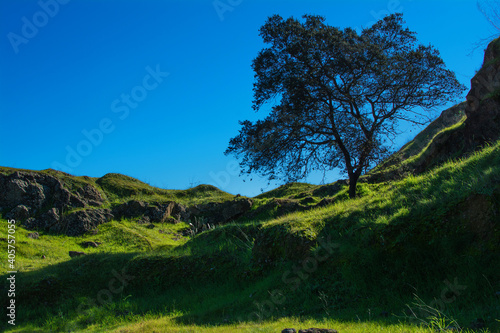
(396, 242)
(117, 188)
(407, 158)
(120, 188)
(287, 190)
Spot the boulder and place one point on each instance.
(33, 235)
(38, 190)
(483, 100)
(158, 214)
(154, 212)
(171, 220)
(231, 210)
(80, 222)
(144, 220)
(73, 254)
(289, 330)
(19, 213)
(47, 221)
(89, 244)
(180, 212)
(91, 195)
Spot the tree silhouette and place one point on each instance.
(337, 96)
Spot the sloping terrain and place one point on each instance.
(412, 237)
(416, 251)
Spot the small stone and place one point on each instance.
(289, 330)
(73, 254)
(33, 235)
(150, 226)
(89, 244)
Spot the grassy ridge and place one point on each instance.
(396, 240)
(118, 188)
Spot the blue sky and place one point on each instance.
(155, 89)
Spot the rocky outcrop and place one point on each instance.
(172, 212)
(74, 224)
(154, 212)
(26, 194)
(82, 221)
(481, 126)
(44, 202)
(90, 195)
(483, 100)
(220, 213)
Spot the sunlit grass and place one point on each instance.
(393, 241)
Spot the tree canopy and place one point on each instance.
(337, 96)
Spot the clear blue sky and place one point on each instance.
(154, 89)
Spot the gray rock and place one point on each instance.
(289, 330)
(171, 220)
(221, 213)
(157, 214)
(80, 222)
(33, 235)
(36, 190)
(144, 220)
(91, 195)
(483, 109)
(90, 244)
(47, 221)
(73, 254)
(19, 213)
(130, 209)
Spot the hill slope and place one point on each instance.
(416, 251)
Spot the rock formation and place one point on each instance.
(483, 100)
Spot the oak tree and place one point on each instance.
(335, 97)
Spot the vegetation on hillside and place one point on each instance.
(372, 263)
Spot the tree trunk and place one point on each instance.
(353, 180)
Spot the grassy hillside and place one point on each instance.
(405, 256)
(118, 188)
